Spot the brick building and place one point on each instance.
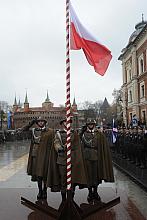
(22, 115)
(134, 71)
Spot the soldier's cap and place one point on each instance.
(90, 121)
(41, 119)
(64, 120)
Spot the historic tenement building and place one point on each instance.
(22, 115)
(134, 71)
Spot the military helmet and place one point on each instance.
(90, 121)
(40, 118)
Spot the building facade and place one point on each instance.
(23, 115)
(134, 71)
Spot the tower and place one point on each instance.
(75, 121)
(74, 106)
(15, 105)
(26, 103)
(47, 105)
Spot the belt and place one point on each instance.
(89, 147)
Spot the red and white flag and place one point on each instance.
(97, 54)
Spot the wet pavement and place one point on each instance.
(136, 173)
(15, 183)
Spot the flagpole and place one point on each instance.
(68, 209)
(68, 112)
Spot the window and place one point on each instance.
(143, 116)
(130, 96)
(142, 91)
(130, 116)
(141, 64)
(130, 75)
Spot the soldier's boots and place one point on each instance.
(95, 194)
(73, 192)
(44, 193)
(90, 195)
(39, 196)
(63, 194)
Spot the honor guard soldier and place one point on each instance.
(97, 158)
(60, 147)
(57, 172)
(41, 143)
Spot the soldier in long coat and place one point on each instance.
(97, 159)
(41, 143)
(35, 139)
(57, 173)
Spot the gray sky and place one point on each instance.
(32, 48)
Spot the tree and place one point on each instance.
(91, 110)
(117, 106)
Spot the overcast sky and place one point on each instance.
(32, 48)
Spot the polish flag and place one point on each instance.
(97, 54)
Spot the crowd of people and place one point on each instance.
(11, 135)
(131, 144)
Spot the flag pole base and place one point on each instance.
(69, 210)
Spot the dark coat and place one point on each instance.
(103, 157)
(78, 169)
(33, 153)
(38, 159)
(31, 166)
(45, 145)
(105, 168)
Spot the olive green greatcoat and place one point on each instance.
(78, 169)
(45, 145)
(32, 159)
(31, 166)
(100, 153)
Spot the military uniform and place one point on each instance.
(35, 140)
(33, 152)
(45, 145)
(60, 147)
(97, 159)
(41, 143)
(89, 140)
(57, 172)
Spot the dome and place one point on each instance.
(138, 28)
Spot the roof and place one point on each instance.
(141, 28)
(41, 109)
